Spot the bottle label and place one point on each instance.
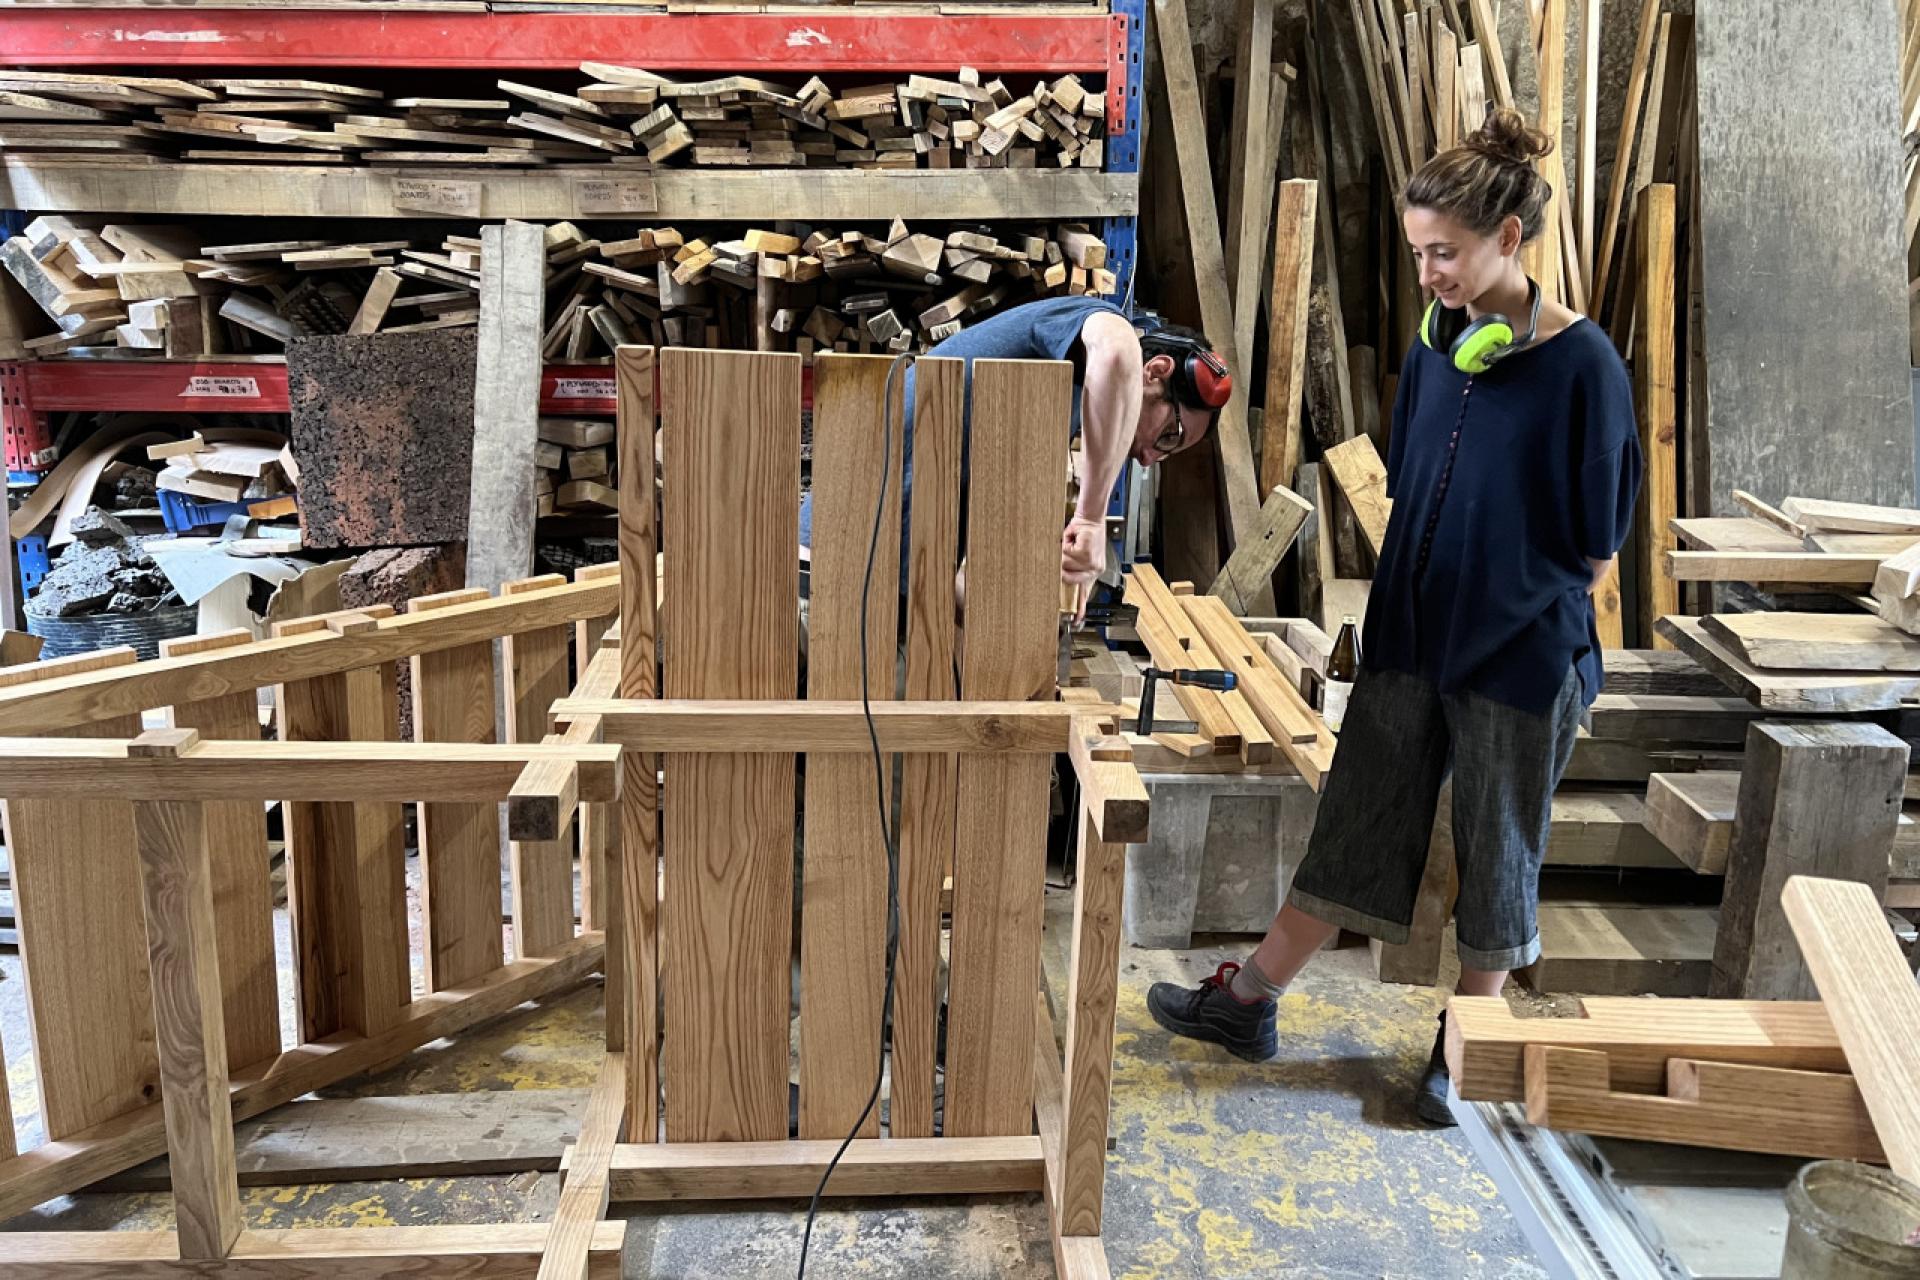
(1334, 702)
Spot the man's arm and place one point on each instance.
(1109, 408)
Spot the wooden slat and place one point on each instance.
(1074, 1257)
(1819, 692)
(177, 884)
(459, 843)
(731, 424)
(1735, 533)
(242, 885)
(1815, 641)
(1609, 230)
(1112, 796)
(1362, 478)
(57, 1168)
(346, 871)
(1485, 1040)
(1251, 566)
(824, 728)
(1091, 992)
(1653, 383)
(1603, 829)
(1019, 429)
(1293, 240)
(639, 825)
(81, 935)
(927, 780)
(507, 1251)
(1249, 200)
(843, 930)
(583, 1197)
(871, 1167)
(1623, 949)
(1234, 450)
(1692, 814)
(1869, 992)
(1710, 1104)
(535, 666)
(1301, 735)
(1772, 566)
(1850, 517)
(1542, 254)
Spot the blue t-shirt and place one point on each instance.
(1042, 330)
(1504, 485)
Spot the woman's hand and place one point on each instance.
(1600, 568)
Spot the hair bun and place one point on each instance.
(1505, 135)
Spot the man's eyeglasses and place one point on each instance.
(1174, 437)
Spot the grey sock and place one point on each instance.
(1249, 984)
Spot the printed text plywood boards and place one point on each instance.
(242, 885)
(927, 781)
(843, 922)
(1019, 430)
(76, 878)
(731, 427)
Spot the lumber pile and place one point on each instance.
(162, 291)
(1832, 1078)
(622, 117)
(575, 457)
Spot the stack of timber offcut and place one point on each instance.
(163, 291)
(623, 117)
(1834, 1077)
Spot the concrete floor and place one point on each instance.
(1308, 1166)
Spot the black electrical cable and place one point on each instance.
(880, 795)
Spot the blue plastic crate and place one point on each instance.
(31, 552)
(182, 513)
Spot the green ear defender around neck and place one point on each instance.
(1476, 346)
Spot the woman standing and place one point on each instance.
(1513, 467)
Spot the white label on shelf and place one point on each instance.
(209, 388)
(437, 195)
(615, 195)
(583, 389)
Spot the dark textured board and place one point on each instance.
(1798, 202)
(383, 435)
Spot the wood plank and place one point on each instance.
(1735, 533)
(1623, 151)
(1603, 829)
(1362, 477)
(1769, 179)
(583, 1197)
(1300, 734)
(1248, 159)
(1772, 566)
(843, 935)
(1231, 442)
(1623, 950)
(1658, 671)
(57, 1168)
(1817, 514)
(535, 666)
(1654, 378)
(1767, 512)
(1485, 1040)
(81, 935)
(639, 827)
(1074, 1257)
(506, 1251)
(453, 691)
(242, 885)
(1251, 566)
(870, 1167)
(1293, 241)
(1899, 575)
(1815, 641)
(731, 424)
(1692, 814)
(346, 861)
(1709, 1104)
(1811, 692)
(177, 883)
(1888, 545)
(1663, 717)
(1019, 429)
(1815, 799)
(506, 404)
(1868, 991)
(1092, 990)
(928, 780)
(1542, 255)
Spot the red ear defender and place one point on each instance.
(1211, 381)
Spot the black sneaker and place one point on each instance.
(1430, 1098)
(1213, 1013)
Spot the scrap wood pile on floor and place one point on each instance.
(133, 289)
(625, 117)
(1838, 1077)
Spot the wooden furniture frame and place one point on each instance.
(713, 958)
(173, 820)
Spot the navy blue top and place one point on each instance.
(1504, 485)
(1047, 329)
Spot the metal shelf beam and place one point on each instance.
(792, 44)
